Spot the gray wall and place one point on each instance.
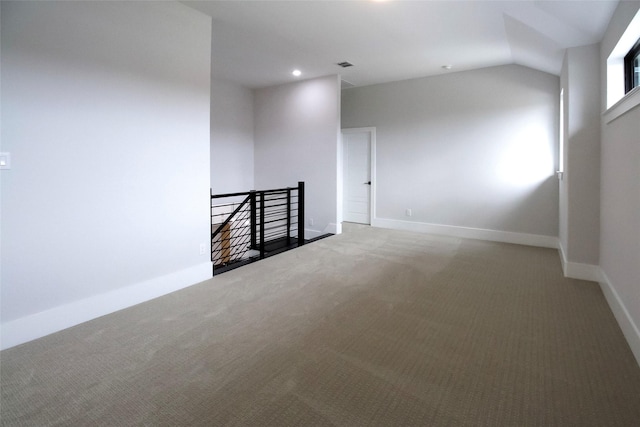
(297, 127)
(620, 197)
(470, 149)
(106, 115)
(231, 137)
(580, 187)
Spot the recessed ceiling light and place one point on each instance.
(297, 73)
(447, 67)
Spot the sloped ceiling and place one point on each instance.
(259, 43)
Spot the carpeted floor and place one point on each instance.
(371, 327)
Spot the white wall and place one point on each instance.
(472, 149)
(297, 127)
(231, 137)
(580, 187)
(106, 115)
(620, 197)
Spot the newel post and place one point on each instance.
(300, 213)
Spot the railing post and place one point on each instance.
(252, 195)
(288, 216)
(261, 224)
(300, 213)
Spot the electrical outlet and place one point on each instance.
(203, 248)
(5, 160)
(408, 212)
(311, 222)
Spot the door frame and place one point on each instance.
(372, 164)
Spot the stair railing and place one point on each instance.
(251, 225)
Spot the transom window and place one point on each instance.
(622, 68)
(632, 68)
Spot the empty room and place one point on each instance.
(461, 188)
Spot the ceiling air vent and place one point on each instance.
(345, 64)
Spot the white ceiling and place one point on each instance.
(259, 43)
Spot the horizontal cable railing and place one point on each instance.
(251, 224)
(231, 236)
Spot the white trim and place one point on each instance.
(311, 234)
(332, 228)
(625, 321)
(563, 258)
(615, 74)
(338, 228)
(46, 322)
(469, 233)
(372, 159)
(577, 270)
(630, 101)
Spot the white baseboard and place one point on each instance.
(46, 322)
(332, 228)
(311, 234)
(468, 233)
(625, 321)
(577, 270)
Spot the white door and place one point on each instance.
(357, 176)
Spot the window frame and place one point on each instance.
(629, 59)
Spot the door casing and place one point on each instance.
(371, 131)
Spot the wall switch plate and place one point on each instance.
(203, 248)
(5, 160)
(311, 221)
(408, 212)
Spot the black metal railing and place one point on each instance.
(251, 225)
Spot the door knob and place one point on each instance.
(368, 182)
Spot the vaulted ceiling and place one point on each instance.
(259, 43)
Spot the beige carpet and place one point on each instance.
(372, 327)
